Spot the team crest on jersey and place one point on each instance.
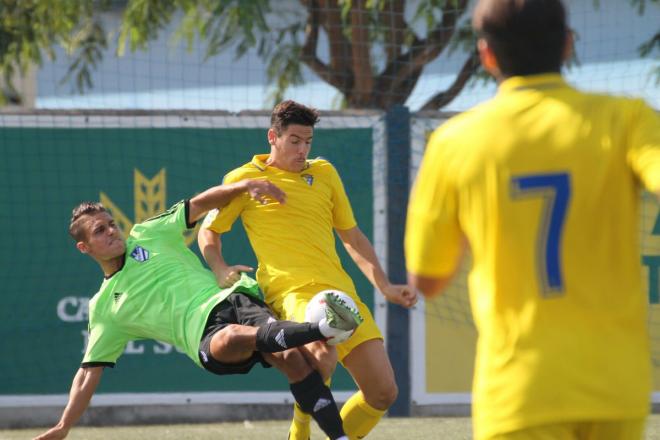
(140, 254)
(308, 178)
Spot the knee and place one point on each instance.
(232, 330)
(227, 340)
(292, 363)
(322, 357)
(326, 363)
(224, 337)
(383, 397)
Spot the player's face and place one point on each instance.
(290, 149)
(103, 238)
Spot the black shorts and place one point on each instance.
(237, 308)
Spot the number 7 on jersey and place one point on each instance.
(555, 190)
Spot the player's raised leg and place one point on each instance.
(234, 348)
(365, 357)
(340, 314)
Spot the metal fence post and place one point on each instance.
(397, 132)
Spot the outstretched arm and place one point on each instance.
(210, 245)
(362, 252)
(429, 286)
(83, 387)
(219, 196)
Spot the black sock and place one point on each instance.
(281, 335)
(315, 398)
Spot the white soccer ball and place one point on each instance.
(315, 311)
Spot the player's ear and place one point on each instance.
(487, 58)
(568, 46)
(272, 136)
(82, 247)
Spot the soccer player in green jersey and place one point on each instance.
(543, 182)
(156, 288)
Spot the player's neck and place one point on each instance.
(280, 165)
(112, 266)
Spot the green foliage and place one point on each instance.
(88, 43)
(640, 5)
(31, 30)
(651, 48)
(284, 66)
(222, 23)
(142, 21)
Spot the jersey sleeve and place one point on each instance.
(644, 146)
(172, 222)
(104, 346)
(342, 212)
(433, 237)
(221, 220)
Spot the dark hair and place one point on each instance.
(290, 112)
(85, 208)
(526, 36)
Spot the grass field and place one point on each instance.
(388, 429)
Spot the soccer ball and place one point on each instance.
(315, 311)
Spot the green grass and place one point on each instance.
(389, 429)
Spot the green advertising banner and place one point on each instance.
(136, 172)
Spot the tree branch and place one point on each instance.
(441, 99)
(339, 45)
(308, 53)
(396, 27)
(422, 51)
(361, 54)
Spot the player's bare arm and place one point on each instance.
(209, 241)
(428, 286)
(218, 196)
(210, 245)
(84, 384)
(362, 252)
(432, 286)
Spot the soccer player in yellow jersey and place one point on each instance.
(295, 246)
(543, 185)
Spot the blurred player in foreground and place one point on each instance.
(156, 288)
(295, 246)
(543, 184)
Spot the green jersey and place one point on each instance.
(162, 292)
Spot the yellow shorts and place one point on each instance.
(628, 429)
(291, 306)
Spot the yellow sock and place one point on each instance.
(359, 417)
(299, 429)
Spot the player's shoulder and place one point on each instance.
(620, 111)
(620, 102)
(459, 122)
(321, 165)
(452, 132)
(147, 228)
(245, 171)
(322, 168)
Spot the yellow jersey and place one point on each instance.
(294, 242)
(544, 183)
